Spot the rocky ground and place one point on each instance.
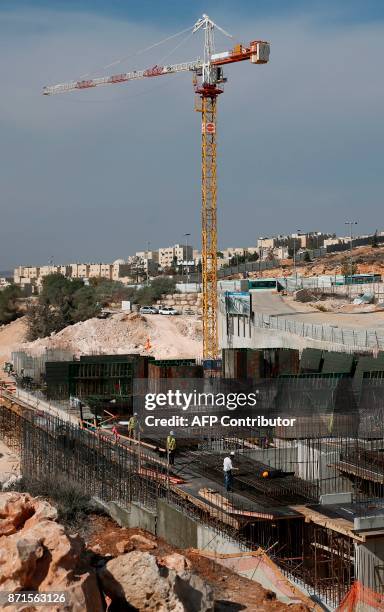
(367, 259)
(9, 465)
(114, 568)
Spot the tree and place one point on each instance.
(42, 320)
(374, 243)
(158, 287)
(84, 304)
(346, 268)
(109, 291)
(253, 257)
(62, 302)
(9, 310)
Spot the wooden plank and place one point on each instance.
(222, 516)
(219, 500)
(214, 555)
(340, 525)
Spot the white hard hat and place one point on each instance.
(232, 453)
(172, 433)
(135, 414)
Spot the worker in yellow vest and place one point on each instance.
(133, 427)
(171, 447)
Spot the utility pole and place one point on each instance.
(148, 245)
(350, 223)
(294, 257)
(186, 255)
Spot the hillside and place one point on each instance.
(368, 260)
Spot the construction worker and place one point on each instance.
(228, 471)
(171, 447)
(133, 427)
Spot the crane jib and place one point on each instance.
(122, 77)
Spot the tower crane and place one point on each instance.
(208, 80)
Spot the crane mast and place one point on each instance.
(208, 80)
(208, 92)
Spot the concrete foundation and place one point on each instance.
(134, 516)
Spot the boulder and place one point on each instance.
(136, 578)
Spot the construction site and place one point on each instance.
(303, 513)
(310, 497)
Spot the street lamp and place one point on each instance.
(351, 223)
(147, 254)
(186, 255)
(294, 257)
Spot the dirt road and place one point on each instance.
(276, 305)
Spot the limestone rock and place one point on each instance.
(141, 542)
(175, 561)
(36, 554)
(136, 578)
(124, 546)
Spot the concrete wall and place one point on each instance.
(134, 516)
(314, 466)
(175, 527)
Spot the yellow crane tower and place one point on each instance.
(208, 82)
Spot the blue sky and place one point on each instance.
(94, 175)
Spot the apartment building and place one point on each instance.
(30, 275)
(233, 252)
(178, 253)
(100, 270)
(121, 270)
(152, 255)
(46, 270)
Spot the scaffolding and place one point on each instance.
(278, 513)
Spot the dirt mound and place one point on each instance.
(10, 337)
(155, 335)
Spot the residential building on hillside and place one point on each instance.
(177, 254)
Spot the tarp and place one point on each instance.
(361, 599)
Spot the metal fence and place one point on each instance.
(370, 339)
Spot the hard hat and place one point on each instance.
(172, 433)
(265, 474)
(135, 414)
(232, 453)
